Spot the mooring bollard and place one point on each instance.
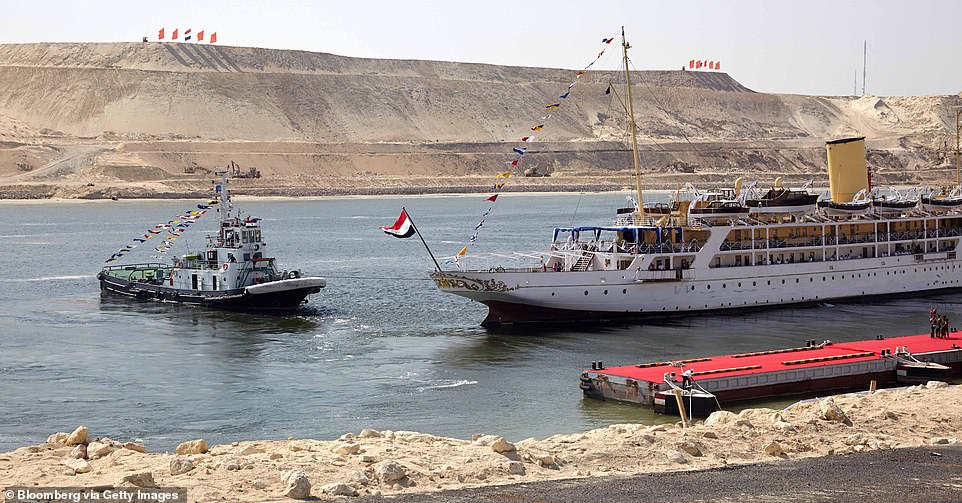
(681, 408)
(872, 385)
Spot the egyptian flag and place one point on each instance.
(402, 228)
(187, 35)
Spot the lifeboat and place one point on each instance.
(942, 203)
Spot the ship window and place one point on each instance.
(193, 281)
(753, 283)
(624, 291)
(709, 287)
(247, 257)
(586, 292)
(214, 279)
(606, 292)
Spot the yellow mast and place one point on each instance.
(631, 124)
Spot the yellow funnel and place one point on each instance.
(847, 173)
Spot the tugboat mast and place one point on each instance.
(633, 128)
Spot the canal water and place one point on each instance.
(379, 347)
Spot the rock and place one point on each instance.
(500, 445)
(856, 439)
(359, 477)
(744, 423)
(96, 450)
(940, 441)
(720, 417)
(250, 449)
(180, 465)
(338, 489)
(78, 452)
(784, 426)
(135, 447)
(338, 460)
(367, 458)
(297, 485)
(276, 455)
(389, 471)
(830, 411)
(58, 438)
(936, 384)
(656, 428)
(369, 433)
(77, 465)
(773, 449)
(887, 414)
(350, 448)
(485, 440)
(347, 436)
(710, 434)
(690, 447)
(140, 479)
(198, 446)
(300, 445)
(677, 457)
(516, 468)
(260, 484)
(79, 436)
(547, 460)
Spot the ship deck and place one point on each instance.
(761, 362)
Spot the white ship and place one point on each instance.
(652, 262)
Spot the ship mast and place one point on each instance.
(958, 152)
(633, 127)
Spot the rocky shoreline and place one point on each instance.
(390, 462)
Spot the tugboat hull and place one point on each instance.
(285, 295)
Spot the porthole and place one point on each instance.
(624, 291)
(586, 292)
(708, 287)
(606, 292)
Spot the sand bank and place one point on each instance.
(389, 462)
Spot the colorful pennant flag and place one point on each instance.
(173, 36)
(492, 198)
(539, 127)
(527, 139)
(462, 252)
(565, 95)
(607, 40)
(187, 35)
(160, 34)
(519, 151)
(213, 37)
(200, 36)
(506, 174)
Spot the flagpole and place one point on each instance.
(436, 265)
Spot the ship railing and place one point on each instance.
(133, 267)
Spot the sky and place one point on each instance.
(802, 47)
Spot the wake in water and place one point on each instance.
(45, 278)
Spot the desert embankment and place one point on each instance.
(155, 119)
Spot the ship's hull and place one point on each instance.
(545, 297)
(285, 295)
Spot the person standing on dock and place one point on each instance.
(933, 319)
(686, 379)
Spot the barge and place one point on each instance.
(813, 368)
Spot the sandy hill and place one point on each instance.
(129, 117)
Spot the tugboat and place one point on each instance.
(234, 272)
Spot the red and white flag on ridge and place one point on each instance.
(402, 228)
